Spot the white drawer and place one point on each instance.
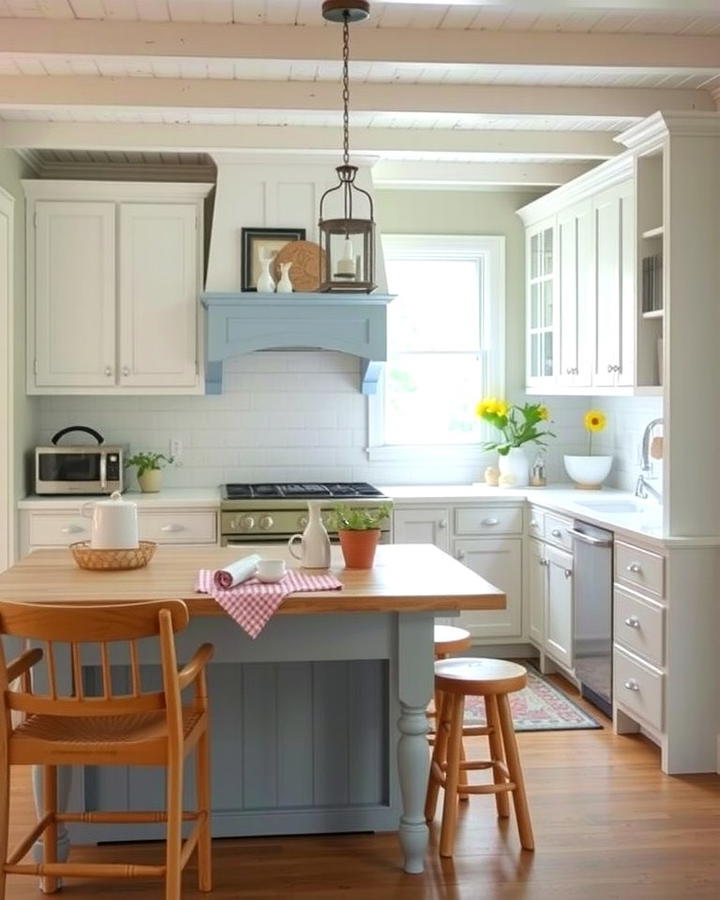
(639, 687)
(57, 529)
(639, 625)
(489, 520)
(556, 531)
(197, 526)
(536, 522)
(639, 568)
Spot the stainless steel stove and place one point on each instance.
(272, 512)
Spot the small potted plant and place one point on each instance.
(149, 469)
(589, 472)
(359, 532)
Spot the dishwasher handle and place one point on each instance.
(585, 538)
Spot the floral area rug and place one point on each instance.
(538, 707)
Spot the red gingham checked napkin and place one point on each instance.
(253, 602)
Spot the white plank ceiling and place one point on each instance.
(536, 89)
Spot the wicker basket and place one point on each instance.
(112, 560)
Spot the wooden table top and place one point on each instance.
(405, 578)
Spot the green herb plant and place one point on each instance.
(357, 518)
(146, 461)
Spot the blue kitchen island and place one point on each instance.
(318, 725)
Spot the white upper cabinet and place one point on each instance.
(614, 222)
(114, 274)
(587, 343)
(74, 291)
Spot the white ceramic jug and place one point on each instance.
(114, 523)
(315, 543)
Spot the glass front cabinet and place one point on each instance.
(541, 303)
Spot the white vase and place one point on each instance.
(265, 283)
(284, 285)
(514, 468)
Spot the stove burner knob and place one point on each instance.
(247, 523)
(302, 521)
(266, 523)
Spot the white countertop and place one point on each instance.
(188, 498)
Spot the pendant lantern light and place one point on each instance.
(348, 241)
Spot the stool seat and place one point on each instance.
(450, 639)
(471, 676)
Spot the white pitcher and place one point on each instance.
(114, 523)
(314, 541)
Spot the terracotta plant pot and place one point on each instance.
(358, 547)
(151, 481)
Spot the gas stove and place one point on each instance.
(272, 512)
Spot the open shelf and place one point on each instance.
(654, 232)
(653, 314)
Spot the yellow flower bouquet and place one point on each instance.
(516, 424)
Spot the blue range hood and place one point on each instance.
(240, 323)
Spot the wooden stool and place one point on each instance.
(447, 641)
(492, 679)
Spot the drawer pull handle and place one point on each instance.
(172, 527)
(632, 622)
(634, 568)
(490, 522)
(631, 685)
(556, 533)
(72, 529)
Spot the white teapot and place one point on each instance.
(114, 523)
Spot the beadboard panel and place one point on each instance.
(300, 746)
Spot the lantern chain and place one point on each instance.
(346, 88)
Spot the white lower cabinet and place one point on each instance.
(486, 537)
(50, 528)
(536, 585)
(499, 562)
(559, 606)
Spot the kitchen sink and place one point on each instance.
(616, 506)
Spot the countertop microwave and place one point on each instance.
(71, 469)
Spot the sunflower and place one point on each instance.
(595, 420)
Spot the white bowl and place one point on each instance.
(588, 472)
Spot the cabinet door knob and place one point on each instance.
(543, 562)
(631, 685)
(632, 622)
(610, 368)
(568, 573)
(490, 522)
(635, 568)
(108, 370)
(460, 554)
(556, 533)
(533, 523)
(126, 370)
(442, 523)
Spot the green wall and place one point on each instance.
(471, 212)
(12, 169)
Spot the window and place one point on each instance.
(445, 343)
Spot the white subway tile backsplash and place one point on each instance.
(299, 415)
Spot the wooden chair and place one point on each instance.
(492, 679)
(129, 729)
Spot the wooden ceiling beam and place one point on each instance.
(445, 47)
(28, 91)
(442, 143)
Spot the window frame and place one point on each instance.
(491, 249)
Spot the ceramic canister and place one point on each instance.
(114, 523)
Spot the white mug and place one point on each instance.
(271, 569)
(114, 523)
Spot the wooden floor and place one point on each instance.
(608, 824)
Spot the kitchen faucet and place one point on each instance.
(643, 488)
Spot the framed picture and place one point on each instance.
(263, 243)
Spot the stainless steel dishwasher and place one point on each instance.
(592, 601)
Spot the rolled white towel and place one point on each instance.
(235, 572)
